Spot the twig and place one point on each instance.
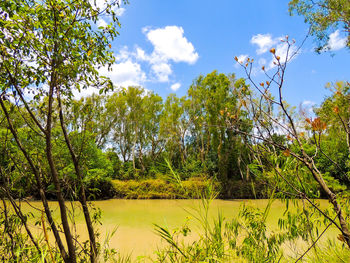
(314, 243)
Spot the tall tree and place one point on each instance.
(213, 103)
(48, 48)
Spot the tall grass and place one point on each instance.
(247, 237)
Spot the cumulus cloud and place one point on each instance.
(308, 103)
(141, 54)
(162, 71)
(123, 74)
(170, 44)
(175, 86)
(264, 42)
(336, 42)
(126, 73)
(124, 54)
(262, 62)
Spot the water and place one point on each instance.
(135, 219)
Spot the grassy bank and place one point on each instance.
(159, 189)
(192, 188)
(102, 188)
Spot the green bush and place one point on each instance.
(99, 187)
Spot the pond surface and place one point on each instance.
(135, 219)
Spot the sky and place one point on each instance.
(164, 45)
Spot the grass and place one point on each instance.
(159, 189)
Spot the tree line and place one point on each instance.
(132, 133)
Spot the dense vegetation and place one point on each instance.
(237, 136)
(131, 134)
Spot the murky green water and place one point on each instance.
(135, 219)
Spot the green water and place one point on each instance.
(134, 219)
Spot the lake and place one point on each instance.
(135, 219)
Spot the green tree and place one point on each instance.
(151, 140)
(121, 133)
(47, 49)
(174, 126)
(335, 151)
(215, 104)
(324, 17)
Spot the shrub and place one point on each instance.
(99, 187)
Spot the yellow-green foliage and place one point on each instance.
(159, 189)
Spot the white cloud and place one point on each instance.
(101, 23)
(175, 86)
(162, 71)
(84, 92)
(102, 4)
(336, 42)
(124, 54)
(125, 74)
(119, 11)
(140, 54)
(308, 103)
(170, 44)
(242, 58)
(264, 42)
(285, 53)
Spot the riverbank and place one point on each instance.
(192, 188)
(104, 188)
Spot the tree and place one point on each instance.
(47, 49)
(335, 111)
(214, 103)
(303, 166)
(174, 126)
(324, 17)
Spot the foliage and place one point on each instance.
(48, 49)
(159, 189)
(324, 16)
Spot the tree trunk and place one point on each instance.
(54, 174)
(331, 197)
(39, 184)
(82, 196)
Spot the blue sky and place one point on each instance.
(164, 45)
